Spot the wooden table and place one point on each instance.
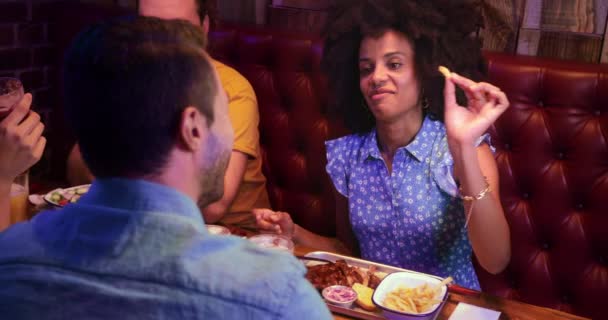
(510, 309)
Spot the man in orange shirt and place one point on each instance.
(244, 182)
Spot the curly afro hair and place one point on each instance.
(442, 32)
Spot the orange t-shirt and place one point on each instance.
(244, 116)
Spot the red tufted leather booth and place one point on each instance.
(552, 153)
(284, 72)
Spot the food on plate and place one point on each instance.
(63, 197)
(217, 230)
(418, 299)
(236, 231)
(364, 296)
(340, 273)
(343, 296)
(445, 71)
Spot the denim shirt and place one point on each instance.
(131, 249)
(411, 218)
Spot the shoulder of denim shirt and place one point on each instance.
(230, 275)
(267, 280)
(18, 239)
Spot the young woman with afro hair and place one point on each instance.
(417, 184)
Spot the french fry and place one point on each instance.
(445, 71)
(445, 281)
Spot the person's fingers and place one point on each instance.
(475, 96)
(488, 86)
(267, 219)
(277, 216)
(479, 93)
(491, 111)
(32, 138)
(39, 149)
(281, 220)
(501, 98)
(19, 112)
(265, 224)
(256, 212)
(494, 94)
(260, 212)
(31, 121)
(471, 89)
(276, 221)
(29, 141)
(462, 82)
(278, 229)
(449, 93)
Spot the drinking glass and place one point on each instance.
(19, 193)
(11, 92)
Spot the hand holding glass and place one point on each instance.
(11, 92)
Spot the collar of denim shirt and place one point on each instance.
(141, 196)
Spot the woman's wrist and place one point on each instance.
(467, 170)
(459, 145)
(464, 154)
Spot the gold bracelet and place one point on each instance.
(478, 196)
(472, 199)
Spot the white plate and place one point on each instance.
(57, 196)
(274, 241)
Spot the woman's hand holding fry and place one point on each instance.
(486, 103)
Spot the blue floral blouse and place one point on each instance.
(413, 217)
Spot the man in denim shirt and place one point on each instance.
(146, 106)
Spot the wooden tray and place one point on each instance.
(356, 312)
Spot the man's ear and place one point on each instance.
(192, 129)
(205, 24)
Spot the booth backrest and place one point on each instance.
(291, 92)
(552, 153)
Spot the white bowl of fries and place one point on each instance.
(409, 295)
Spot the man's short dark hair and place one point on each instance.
(127, 83)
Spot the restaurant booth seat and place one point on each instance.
(551, 150)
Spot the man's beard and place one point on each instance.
(212, 171)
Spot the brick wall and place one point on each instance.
(27, 53)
